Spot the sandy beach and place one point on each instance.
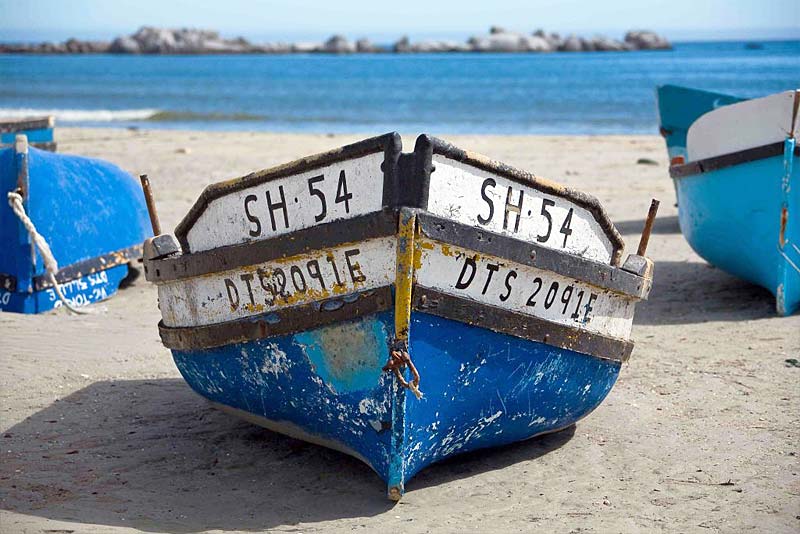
(700, 434)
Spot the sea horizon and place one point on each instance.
(559, 93)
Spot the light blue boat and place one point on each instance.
(90, 213)
(343, 300)
(38, 131)
(737, 178)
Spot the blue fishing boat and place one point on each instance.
(735, 167)
(399, 307)
(39, 132)
(69, 227)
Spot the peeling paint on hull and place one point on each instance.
(482, 389)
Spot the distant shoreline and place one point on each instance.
(161, 41)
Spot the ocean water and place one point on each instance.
(560, 93)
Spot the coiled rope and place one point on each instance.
(50, 263)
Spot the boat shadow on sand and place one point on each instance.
(152, 455)
(687, 292)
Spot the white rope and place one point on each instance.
(50, 263)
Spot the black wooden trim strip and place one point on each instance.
(282, 322)
(728, 160)
(532, 254)
(519, 325)
(90, 266)
(389, 143)
(580, 198)
(379, 224)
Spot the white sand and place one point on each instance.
(100, 433)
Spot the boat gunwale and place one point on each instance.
(384, 224)
(389, 143)
(77, 270)
(406, 181)
(702, 166)
(429, 145)
(301, 318)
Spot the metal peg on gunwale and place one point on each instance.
(648, 227)
(151, 204)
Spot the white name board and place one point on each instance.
(476, 197)
(339, 191)
(524, 289)
(270, 286)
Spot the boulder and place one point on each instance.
(535, 43)
(647, 40)
(338, 44)
(305, 47)
(124, 45)
(571, 44)
(402, 46)
(365, 46)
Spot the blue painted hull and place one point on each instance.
(482, 389)
(732, 218)
(79, 292)
(91, 213)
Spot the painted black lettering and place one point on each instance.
(341, 192)
(588, 307)
(576, 313)
(314, 272)
(330, 259)
(551, 295)
(565, 229)
(489, 182)
(492, 268)
(464, 284)
(320, 195)
(268, 288)
(565, 296)
(538, 283)
(354, 267)
(247, 279)
(546, 214)
(298, 280)
(280, 276)
(278, 206)
(254, 232)
(510, 276)
(513, 208)
(233, 293)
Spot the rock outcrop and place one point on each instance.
(646, 40)
(151, 40)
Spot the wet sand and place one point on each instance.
(100, 434)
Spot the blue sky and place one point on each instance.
(386, 21)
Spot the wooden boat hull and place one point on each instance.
(500, 296)
(738, 210)
(91, 213)
(482, 389)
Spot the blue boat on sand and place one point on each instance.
(735, 166)
(399, 307)
(91, 215)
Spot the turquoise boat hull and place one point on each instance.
(737, 211)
